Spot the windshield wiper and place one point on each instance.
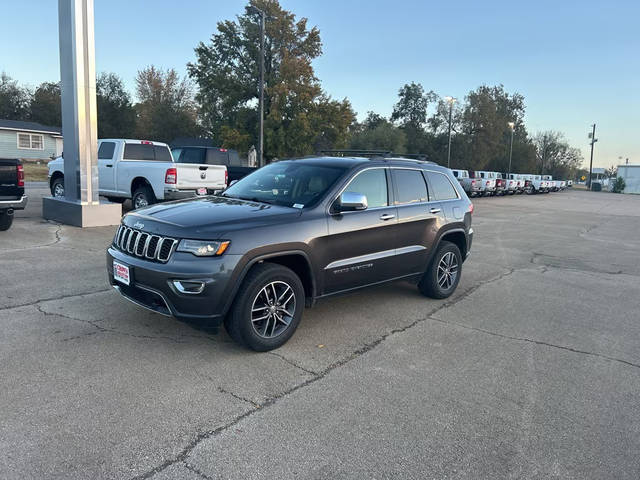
(254, 199)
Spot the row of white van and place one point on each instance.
(484, 183)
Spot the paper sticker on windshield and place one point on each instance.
(298, 205)
(274, 191)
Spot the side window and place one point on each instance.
(410, 186)
(138, 151)
(442, 189)
(373, 184)
(105, 152)
(162, 154)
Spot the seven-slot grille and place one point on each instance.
(144, 245)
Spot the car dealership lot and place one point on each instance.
(532, 369)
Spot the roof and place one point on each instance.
(350, 162)
(29, 127)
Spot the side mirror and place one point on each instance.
(351, 201)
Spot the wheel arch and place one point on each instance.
(54, 176)
(138, 182)
(456, 236)
(296, 260)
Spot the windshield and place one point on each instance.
(289, 184)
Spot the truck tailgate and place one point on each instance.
(194, 176)
(9, 179)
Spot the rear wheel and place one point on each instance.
(143, 197)
(267, 308)
(5, 220)
(57, 187)
(443, 275)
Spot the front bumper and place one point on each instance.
(15, 204)
(152, 284)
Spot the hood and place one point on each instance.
(207, 217)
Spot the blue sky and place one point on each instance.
(575, 62)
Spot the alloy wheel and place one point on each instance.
(58, 190)
(140, 201)
(447, 270)
(273, 309)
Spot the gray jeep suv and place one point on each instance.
(289, 234)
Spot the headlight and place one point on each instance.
(203, 248)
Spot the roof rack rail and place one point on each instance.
(357, 153)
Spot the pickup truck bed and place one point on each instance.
(12, 195)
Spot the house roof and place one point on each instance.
(29, 127)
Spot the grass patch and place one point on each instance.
(34, 172)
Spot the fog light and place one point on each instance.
(192, 287)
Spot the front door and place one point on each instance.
(360, 248)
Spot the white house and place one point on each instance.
(29, 140)
(631, 175)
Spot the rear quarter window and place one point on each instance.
(441, 187)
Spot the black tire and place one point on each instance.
(246, 330)
(5, 220)
(57, 187)
(430, 285)
(143, 196)
(117, 199)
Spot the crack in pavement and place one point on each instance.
(51, 299)
(186, 451)
(195, 470)
(292, 363)
(102, 329)
(537, 342)
(236, 396)
(58, 239)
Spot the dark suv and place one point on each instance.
(289, 234)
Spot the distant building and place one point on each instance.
(631, 175)
(29, 140)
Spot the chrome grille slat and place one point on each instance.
(144, 245)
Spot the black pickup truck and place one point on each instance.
(12, 195)
(212, 156)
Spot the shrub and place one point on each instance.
(619, 185)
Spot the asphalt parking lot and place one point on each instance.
(531, 370)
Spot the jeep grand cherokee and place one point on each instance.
(289, 234)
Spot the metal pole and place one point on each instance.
(261, 142)
(593, 140)
(511, 149)
(449, 148)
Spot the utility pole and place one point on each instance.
(593, 138)
(254, 9)
(261, 158)
(451, 101)
(512, 125)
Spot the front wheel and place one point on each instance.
(267, 308)
(443, 275)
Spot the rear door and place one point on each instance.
(361, 245)
(106, 166)
(418, 220)
(441, 190)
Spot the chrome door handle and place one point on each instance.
(387, 216)
(435, 210)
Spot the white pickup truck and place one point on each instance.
(144, 172)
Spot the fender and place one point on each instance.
(260, 258)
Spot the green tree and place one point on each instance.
(554, 156)
(485, 123)
(166, 108)
(411, 113)
(378, 133)
(298, 115)
(46, 106)
(116, 115)
(14, 99)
